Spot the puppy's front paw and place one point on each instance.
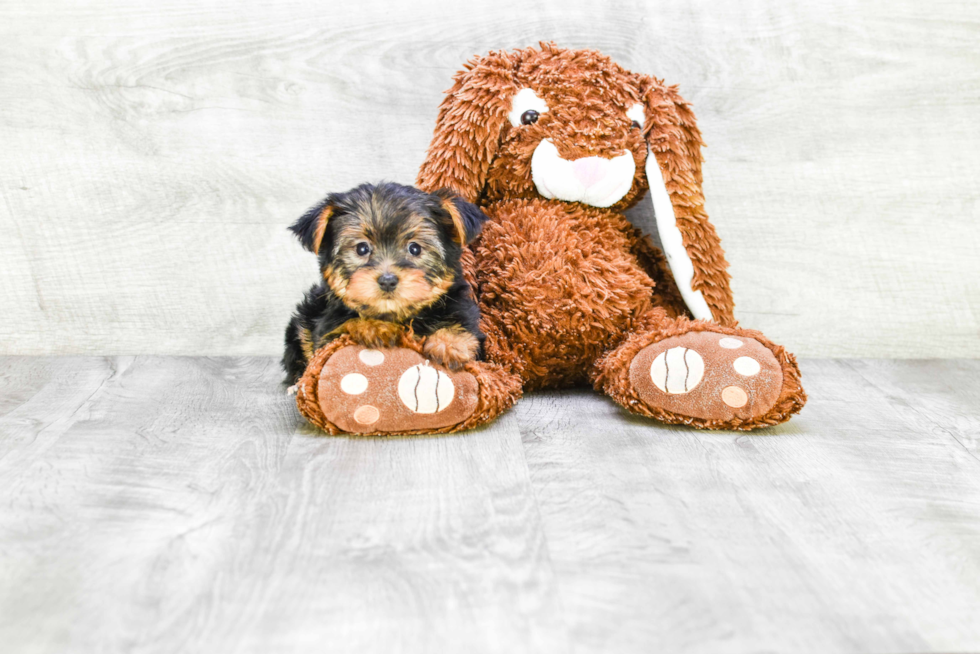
(452, 347)
(373, 333)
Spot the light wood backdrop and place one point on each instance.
(152, 154)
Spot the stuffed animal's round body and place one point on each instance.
(555, 145)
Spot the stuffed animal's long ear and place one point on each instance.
(673, 171)
(471, 120)
(467, 218)
(312, 226)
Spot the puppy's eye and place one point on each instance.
(362, 249)
(414, 249)
(636, 125)
(529, 117)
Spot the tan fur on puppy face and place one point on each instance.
(414, 292)
(422, 278)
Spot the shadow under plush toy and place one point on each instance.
(555, 145)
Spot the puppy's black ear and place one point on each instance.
(467, 218)
(311, 227)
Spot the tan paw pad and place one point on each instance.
(367, 414)
(371, 357)
(746, 366)
(354, 383)
(678, 370)
(734, 397)
(423, 389)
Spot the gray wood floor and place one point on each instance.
(155, 504)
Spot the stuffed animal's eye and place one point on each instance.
(362, 249)
(526, 108)
(637, 115)
(414, 249)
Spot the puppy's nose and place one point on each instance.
(388, 281)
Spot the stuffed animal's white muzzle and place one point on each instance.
(592, 180)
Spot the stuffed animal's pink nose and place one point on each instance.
(590, 170)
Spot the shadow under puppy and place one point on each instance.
(389, 258)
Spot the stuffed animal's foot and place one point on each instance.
(348, 388)
(708, 376)
(725, 379)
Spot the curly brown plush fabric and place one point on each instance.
(555, 288)
(570, 291)
(476, 151)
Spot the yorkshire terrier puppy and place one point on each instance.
(389, 257)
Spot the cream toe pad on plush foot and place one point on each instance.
(393, 390)
(708, 375)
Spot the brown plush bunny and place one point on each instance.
(555, 145)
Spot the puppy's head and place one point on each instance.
(388, 251)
